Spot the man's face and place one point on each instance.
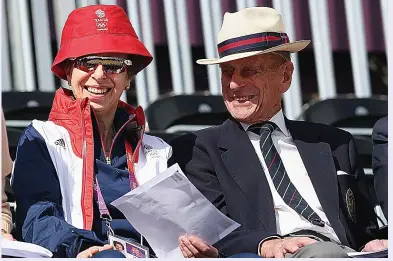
(252, 87)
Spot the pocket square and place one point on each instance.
(340, 172)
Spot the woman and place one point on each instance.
(6, 166)
(93, 149)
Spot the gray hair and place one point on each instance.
(285, 55)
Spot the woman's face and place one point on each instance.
(119, 247)
(102, 87)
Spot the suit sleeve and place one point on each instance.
(193, 159)
(39, 214)
(380, 163)
(368, 228)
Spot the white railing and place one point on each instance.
(211, 23)
(22, 72)
(322, 48)
(293, 97)
(357, 43)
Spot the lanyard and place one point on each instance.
(104, 212)
(130, 163)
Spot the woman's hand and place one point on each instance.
(92, 251)
(192, 246)
(7, 236)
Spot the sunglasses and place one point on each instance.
(111, 65)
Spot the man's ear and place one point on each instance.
(287, 76)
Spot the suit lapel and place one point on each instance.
(243, 164)
(319, 163)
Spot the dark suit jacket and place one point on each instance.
(380, 163)
(221, 162)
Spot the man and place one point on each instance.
(296, 188)
(380, 163)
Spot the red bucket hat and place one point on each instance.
(98, 29)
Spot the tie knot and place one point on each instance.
(259, 128)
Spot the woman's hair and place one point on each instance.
(118, 243)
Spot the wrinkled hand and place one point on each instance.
(375, 245)
(92, 251)
(192, 246)
(277, 248)
(7, 236)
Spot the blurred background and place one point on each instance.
(347, 54)
(340, 79)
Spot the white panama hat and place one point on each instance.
(252, 31)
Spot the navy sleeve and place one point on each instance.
(39, 215)
(380, 163)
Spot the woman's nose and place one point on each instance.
(99, 72)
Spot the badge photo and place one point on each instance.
(118, 244)
(136, 251)
(128, 247)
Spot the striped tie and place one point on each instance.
(279, 176)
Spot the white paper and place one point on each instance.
(22, 249)
(377, 254)
(169, 206)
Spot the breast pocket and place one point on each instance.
(348, 190)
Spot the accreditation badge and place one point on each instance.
(128, 247)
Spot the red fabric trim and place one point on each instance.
(66, 112)
(69, 113)
(248, 41)
(88, 173)
(141, 121)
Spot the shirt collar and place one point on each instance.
(278, 119)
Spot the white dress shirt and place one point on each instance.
(287, 219)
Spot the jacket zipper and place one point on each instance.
(108, 157)
(83, 155)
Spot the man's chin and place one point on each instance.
(241, 117)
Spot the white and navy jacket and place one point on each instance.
(58, 155)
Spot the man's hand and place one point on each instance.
(92, 251)
(192, 246)
(375, 245)
(277, 248)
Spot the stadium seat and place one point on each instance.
(13, 135)
(364, 146)
(20, 108)
(17, 100)
(166, 136)
(357, 115)
(8, 189)
(186, 112)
